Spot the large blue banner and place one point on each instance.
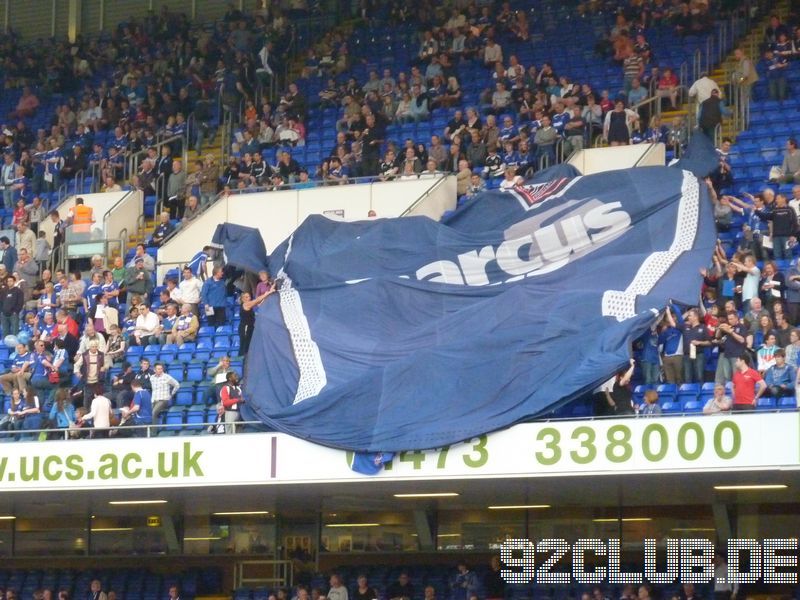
(405, 334)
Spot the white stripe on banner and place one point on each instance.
(622, 304)
(306, 352)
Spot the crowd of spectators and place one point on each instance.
(529, 116)
(744, 329)
(121, 94)
(71, 337)
(159, 79)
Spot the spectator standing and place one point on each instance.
(734, 340)
(163, 389)
(695, 339)
(214, 298)
(745, 74)
(12, 304)
(189, 290)
(140, 410)
(620, 398)
(138, 280)
(493, 583)
(748, 386)
(670, 338)
(711, 113)
(176, 188)
(82, 217)
(9, 254)
(231, 398)
(465, 583)
(90, 370)
(776, 65)
(784, 227)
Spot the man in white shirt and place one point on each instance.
(701, 90)
(190, 289)
(147, 327)
(100, 415)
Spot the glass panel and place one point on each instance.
(6, 536)
(369, 532)
(48, 537)
(128, 535)
(246, 534)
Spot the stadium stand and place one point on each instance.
(479, 81)
(403, 91)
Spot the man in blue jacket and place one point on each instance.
(214, 298)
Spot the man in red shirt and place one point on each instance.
(748, 386)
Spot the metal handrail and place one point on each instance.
(258, 426)
(161, 182)
(651, 100)
(439, 181)
(134, 159)
(147, 429)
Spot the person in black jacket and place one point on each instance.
(9, 258)
(784, 227)
(711, 112)
(73, 163)
(13, 302)
(493, 581)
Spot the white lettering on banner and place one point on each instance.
(615, 446)
(550, 247)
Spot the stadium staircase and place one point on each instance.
(722, 73)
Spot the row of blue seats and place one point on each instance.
(696, 406)
(188, 421)
(203, 350)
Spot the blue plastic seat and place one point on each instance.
(787, 402)
(693, 406)
(195, 417)
(134, 353)
(766, 404)
(185, 395)
(206, 331)
(186, 351)
(671, 407)
(200, 394)
(667, 392)
(151, 351)
(174, 419)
